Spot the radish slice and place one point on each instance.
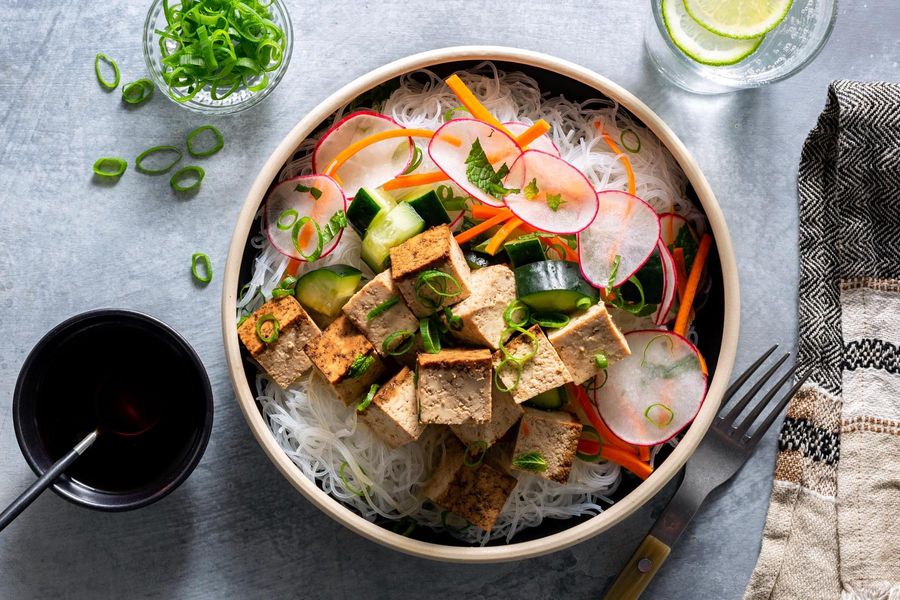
(670, 283)
(626, 227)
(370, 167)
(652, 394)
(286, 198)
(562, 199)
(543, 143)
(670, 225)
(452, 142)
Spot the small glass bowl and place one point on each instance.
(203, 102)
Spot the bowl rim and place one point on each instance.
(520, 550)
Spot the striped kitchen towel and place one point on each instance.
(833, 526)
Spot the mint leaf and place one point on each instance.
(554, 201)
(531, 189)
(481, 174)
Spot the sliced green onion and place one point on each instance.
(653, 339)
(514, 308)
(601, 361)
(406, 526)
(454, 322)
(475, 454)
(382, 308)
(110, 166)
(289, 213)
(219, 142)
(288, 283)
(430, 337)
(523, 332)
(360, 365)
(635, 309)
(138, 162)
(242, 320)
(613, 272)
(367, 400)
(666, 410)
(320, 240)
(393, 347)
(276, 327)
(437, 282)
(416, 160)
(187, 173)
(107, 85)
(197, 260)
(530, 461)
(633, 144)
(584, 303)
(281, 293)
(505, 363)
(315, 192)
(448, 114)
(138, 91)
(347, 485)
(590, 434)
(552, 320)
(449, 200)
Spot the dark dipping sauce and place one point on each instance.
(135, 386)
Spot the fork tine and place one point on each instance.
(763, 402)
(743, 402)
(764, 426)
(734, 387)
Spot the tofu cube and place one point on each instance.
(284, 359)
(434, 249)
(475, 494)
(334, 351)
(397, 318)
(589, 333)
(493, 288)
(554, 436)
(545, 371)
(504, 414)
(393, 413)
(454, 387)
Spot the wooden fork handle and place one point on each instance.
(641, 568)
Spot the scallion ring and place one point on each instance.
(218, 145)
(584, 303)
(551, 320)
(437, 283)
(110, 166)
(449, 200)
(346, 483)
(282, 293)
(454, 322)
(512, 310)
(288, 283)
(382, 308)
(107, 85)
(667, 412)
(399, 342)
(199, 259)
(415, 162)
(498, 381)
(295, 235)
(524, 333)
(431, 339)
(276, 328)
(635, 141)
(475, 453)
(367, 400)
(601, 361)
(137, 92)
(139, 161)
(187, 173)
(289, 213)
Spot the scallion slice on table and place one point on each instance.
(165, 168)
(201, 267)
(186, 174)
(107, 85)
(137, 92)
(110, 166)
(202, 153)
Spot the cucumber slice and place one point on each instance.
(365, 207)
(524, 250)
(389, 229)
(429, 207)
(326, 290)
(480, 260)
(549, 400)
(553, 286)
(739, 19)
(699, 43)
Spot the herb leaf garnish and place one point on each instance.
(360, 365)
(554, 201)
(481, 174)
(531, 189)
(315, 192)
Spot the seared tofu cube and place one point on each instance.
(284, 359)
(334, 353)
(543, 372)
(393, 413)
(587, 334)
(396, 318)
(476, 494)
(454, 387)
(504, 414)
(548, 435)
(493, 288)
(433, 250)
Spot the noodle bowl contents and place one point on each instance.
(472, 305)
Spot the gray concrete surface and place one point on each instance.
(236, 528)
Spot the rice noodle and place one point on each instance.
(322, 436)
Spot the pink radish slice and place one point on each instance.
(543, 143)
(656, 391)
(670, 225)
(670, 283)
(286, 197)
(626, 227)
(372, 166)
(452, 142)
(557, 180)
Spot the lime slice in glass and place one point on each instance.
(741, 19)
(701, 44)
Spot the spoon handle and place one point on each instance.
(45, 481)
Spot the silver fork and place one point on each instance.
(724, 449)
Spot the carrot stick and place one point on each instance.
(468, 234)
(292, 267)
(539, 128)
(624, 459)
(690, 291)
(621, 156)
(608, 436)
(644, 453)
(503, 233)
(484, 211)
(471, 103)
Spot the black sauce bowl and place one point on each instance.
(132, 353)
